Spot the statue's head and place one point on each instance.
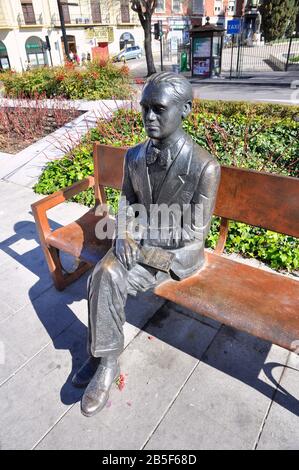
(165, 101)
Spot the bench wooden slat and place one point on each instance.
(259, 199)
(108, 166)
(78, 239)
(262, 303)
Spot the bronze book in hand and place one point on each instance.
(156, 257)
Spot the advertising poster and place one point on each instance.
(201, 66)
(201, 56)
(201, 47)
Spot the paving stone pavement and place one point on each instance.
(190, 383)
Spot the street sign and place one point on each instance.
(186, 36)
(101, 33)
(234, 26)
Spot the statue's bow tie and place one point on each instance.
(161, 156)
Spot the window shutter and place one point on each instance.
(125, 12)
(176, 6)
(198, 7)
(28, 12)
(96, 11)
(66, 14)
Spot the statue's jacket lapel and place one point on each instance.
(140, 177)
(176, 175)
(180, 181)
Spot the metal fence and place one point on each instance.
(239, 58)
(172, 51)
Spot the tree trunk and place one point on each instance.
(148, 48)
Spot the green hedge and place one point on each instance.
(92, 82)
(257, 136)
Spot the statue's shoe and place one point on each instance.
(96, 394)
(86, 372)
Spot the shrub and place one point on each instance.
(258, 136)
(92, 82)
(27, 84)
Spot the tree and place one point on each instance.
(278, 18)
(145, 10)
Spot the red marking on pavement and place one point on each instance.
(121, 382)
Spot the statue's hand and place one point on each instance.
(127, 251)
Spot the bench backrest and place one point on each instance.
(255, 198)
(108, 168)
(260, 199)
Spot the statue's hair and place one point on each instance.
(181, 87)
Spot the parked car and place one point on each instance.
(131, 52)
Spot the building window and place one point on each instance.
(36, 53)
(160, 8)
(218, 8)
(231, 7)
(176, 6)
(197, 7)
(252, 3)
(96, 11)
(126, 39)
(28, 12)
(125, 11)
(4, 60)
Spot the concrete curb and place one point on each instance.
(227, 81)
(247, 82)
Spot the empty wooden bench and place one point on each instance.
(262, 303)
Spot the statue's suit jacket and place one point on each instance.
(191, 180)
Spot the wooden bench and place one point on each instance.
(262, 303)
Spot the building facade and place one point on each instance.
(221, 11)
(178, 16)
(28, 27)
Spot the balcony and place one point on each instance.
(79, 21)
(4, 24)
(131, 19)
(36, 21)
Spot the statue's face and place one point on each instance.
(162, 112)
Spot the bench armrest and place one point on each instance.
(40, 208)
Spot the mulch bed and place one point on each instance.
(16, 140)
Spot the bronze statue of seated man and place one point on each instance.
(166, 171)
